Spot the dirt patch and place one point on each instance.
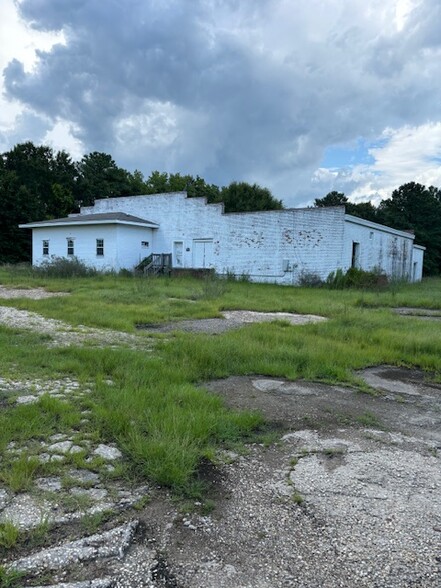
(233, 319)
(33, 293)
(401, 394)
(422, 313)
(62, 334)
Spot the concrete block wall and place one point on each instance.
(282, 246)
(274, 246)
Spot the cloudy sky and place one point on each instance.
(301, 96)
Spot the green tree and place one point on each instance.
(237, 197)
(160, 182)
(364, 210)
(35, 184)
(100, 177)
(244, 197)
(137, 183)
(18, 205)
(49, 177)
(331, 199)
(157, 183)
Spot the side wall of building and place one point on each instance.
(123, 246)
(370, 246)
(84, 244)
(132, 245)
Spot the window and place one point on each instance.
(45, 247)
(100, 247)
(70, 247)
(144, 243)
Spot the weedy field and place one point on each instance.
(152, 403)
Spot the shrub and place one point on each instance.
(230, 276)
(125, 273)
(62, 267)
(310, 280)
(213, 286)
(356, 278)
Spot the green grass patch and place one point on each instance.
(368, 419)
(9, 535)
(19, 474)
(10, 578)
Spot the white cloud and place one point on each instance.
(62, 136)
(20, 40)
(408, 151)
(407, 154)
(403, 9)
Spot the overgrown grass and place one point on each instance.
(123, 302)
(156, 410)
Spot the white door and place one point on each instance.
(178, 253)
(202, 253)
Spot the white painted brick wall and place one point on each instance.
(255, 244)
(274, 246)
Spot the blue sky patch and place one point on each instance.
(350, 155)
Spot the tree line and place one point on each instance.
(38, 183)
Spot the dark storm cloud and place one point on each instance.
(28, 127)
(230, 90)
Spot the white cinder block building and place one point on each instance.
(268, 246)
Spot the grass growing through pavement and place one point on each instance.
(9, 535)
(154, 409)
(10, 578)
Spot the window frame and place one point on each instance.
(100, 247)
(45, 247)
(70, 246)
